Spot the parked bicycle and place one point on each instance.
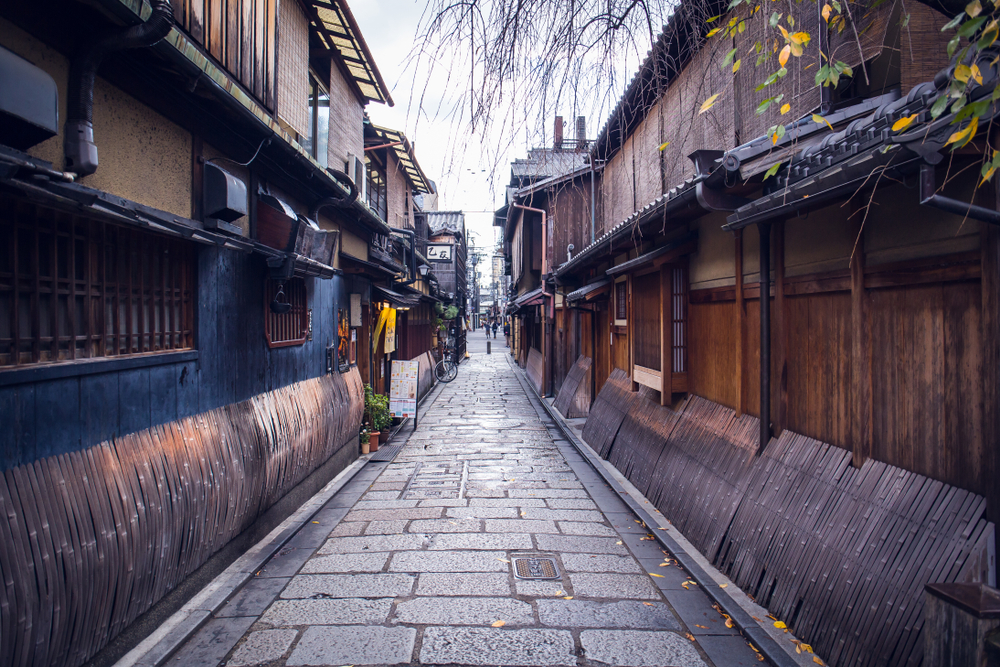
(446, 370)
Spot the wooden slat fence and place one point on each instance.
(92, 539)
(608, 411)
(535, 369)
(839, 554)
(577, 377)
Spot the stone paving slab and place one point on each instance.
(449, 561)
(497, 646)
(590, 614)
(358, 644)
(505, 541)
(463, 583)
(370, 543)
(263, 646)
(344, 563)
(345, 611)
(633, 648)
(349, 585)
(634, 586)
(464, 611)
(586, 545)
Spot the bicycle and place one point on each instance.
(446, 370)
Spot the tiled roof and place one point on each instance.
(446, 222)
(545, 163)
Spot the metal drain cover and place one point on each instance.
(535, 568)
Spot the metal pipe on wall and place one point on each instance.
(764, 229)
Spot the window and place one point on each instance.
(290, 327)
(678, 309)
(646, 320)
(72, 288)
(621, 302)
(376, 188)
(318, 137)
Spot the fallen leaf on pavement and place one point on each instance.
(729, 622)
(618, 542)
(498, 624)
(817, 660)
(315, 521)
(568, 597)
(689, 636)
(648, 604)
(780, 625)
(655, 575)
(703, 627)
(503, 560)
(664, 564)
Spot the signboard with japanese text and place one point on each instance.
(439, 253)
(403, 388)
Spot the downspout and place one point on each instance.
(338, 202)
(79, 149)
(928, 197)
(549, 309)
(764, 228)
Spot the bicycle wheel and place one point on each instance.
(445, 371)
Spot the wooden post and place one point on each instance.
(957, 620)
(630, 333)
(861, 359)
(764, 229)
(666, 335)
(741, 326)
(990, 243)
(780, 333)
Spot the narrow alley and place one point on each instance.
(419, 560)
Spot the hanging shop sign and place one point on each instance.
(439, 253)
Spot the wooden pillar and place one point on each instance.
(861, 359)
(630, 334)
(991, 365)
(780, 333)
(764, 228)
(666, 335)
(741, 326)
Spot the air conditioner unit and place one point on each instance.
(356, 170)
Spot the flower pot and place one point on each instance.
(365, 447)
(373, 441)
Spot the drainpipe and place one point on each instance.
(79, 149)
(548, 309)
(338, 202)
(929, 197)
(765, 335)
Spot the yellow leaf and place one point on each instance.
(729, 622)
(780, 625)
(973, 9)
(666, 564)
(685, 585)
(796, 49)
(774, 138)
(819, 119)
(817, 660)
(648, 604)
(315, 521)
(784, 33)
(807, 647)
(976, 75)
(703, 627)
(655, 575)
(705, 106)
(713, 31)
(785, 108)
(966, 135)
(800, 38)
(760, 658)
(962, 72)
(664, 145)
(723, 585)
(689, 581)
(988, 176)
(827, 9)
(903, 123)
(783, 56)
(503, 560)
(736, 65)
(558, 593)
(499, 624)
(524, 514)
(568, 597)
(689, 636)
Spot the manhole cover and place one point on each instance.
(535, 568)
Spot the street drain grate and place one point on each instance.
(535, 568)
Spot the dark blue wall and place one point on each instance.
(106, 398)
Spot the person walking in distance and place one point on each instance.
(494, 329)
(506, 332)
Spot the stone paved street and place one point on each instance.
(411, 563)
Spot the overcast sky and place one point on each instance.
(471, 173)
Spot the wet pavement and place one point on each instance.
(413, 562)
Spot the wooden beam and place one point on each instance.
(780, 333)
(861, 361)
(630, 333)
(741, 321)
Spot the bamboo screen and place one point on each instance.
(923, 46)
(646, 319)
(617, 187)
(872, 25)
(293, 68)
(798, 87)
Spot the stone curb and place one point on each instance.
(769, 648)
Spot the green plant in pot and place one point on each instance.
(376, 415)
(364, 437)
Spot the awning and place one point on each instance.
(591, 291)
(532, 298)
(358, 265)
(395, 298)
(403, 149)
(670, 251)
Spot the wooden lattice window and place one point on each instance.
(72, 288)
(679, 310)
(291, 327)
(621, 301)
(646, 319)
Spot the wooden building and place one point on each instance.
(185, 281)
(872, 354)
(447, 255)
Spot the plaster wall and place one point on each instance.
(820, 241)
(143, 156)
(714, 264)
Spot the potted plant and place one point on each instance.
(377, 413)
(365, 439)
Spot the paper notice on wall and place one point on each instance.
(403, 388)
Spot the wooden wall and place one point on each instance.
(108, 398)
(713, 337)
